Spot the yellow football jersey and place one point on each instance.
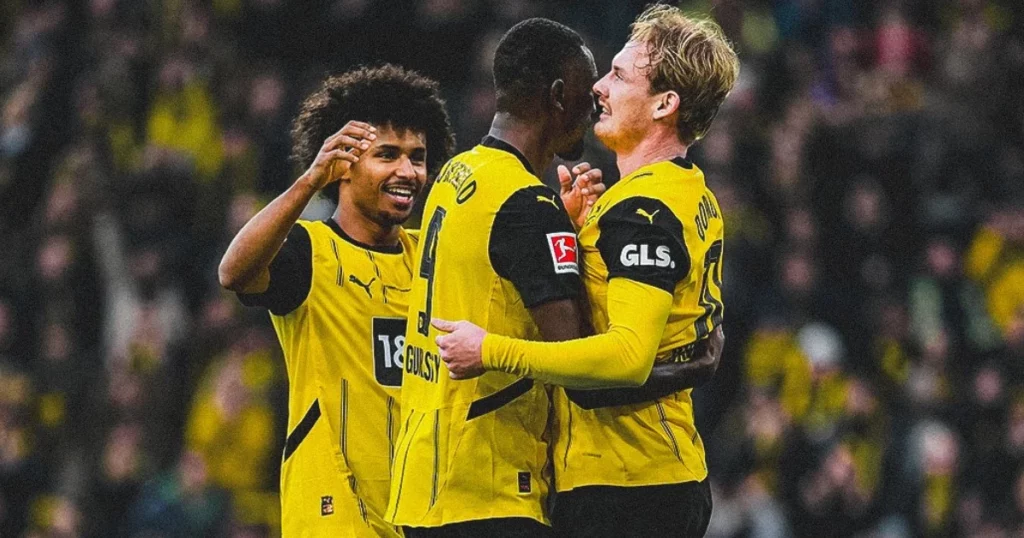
(496, 243)
(339, 309)
(660, 226)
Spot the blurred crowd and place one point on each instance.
(870, 165)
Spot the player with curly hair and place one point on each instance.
(337, 289)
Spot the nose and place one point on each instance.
(405, 169)
(599, 88)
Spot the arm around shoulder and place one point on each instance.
(621, 357)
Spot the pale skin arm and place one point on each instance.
(245, 267)
(462, 351)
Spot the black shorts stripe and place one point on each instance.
(302, 430)
(495, 401)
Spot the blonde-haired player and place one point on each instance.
(652, 259)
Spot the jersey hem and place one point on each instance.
(560, 488)
(538, 518)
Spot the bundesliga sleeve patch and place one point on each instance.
(532, 245)
(563, 252)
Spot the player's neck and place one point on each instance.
(527, 137)
(649, 150)
(365, 231)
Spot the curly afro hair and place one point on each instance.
(383, 95)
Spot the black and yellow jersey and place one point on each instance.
(339, 309)
(496, 243)
(652, 265)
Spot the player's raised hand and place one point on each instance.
(339, 152)
(462, 348)
(580, 189)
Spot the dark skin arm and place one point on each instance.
(665, 379)
(559, 320)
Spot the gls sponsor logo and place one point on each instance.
(633, 255)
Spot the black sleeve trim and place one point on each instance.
(533, 245)
(298, 435)
(291, 276)
(642, 240)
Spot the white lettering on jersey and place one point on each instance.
(633, 255)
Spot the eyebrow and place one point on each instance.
(396, 147)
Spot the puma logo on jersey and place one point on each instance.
(634, 255)
(646, 215)
(366, 287)
(548, 201)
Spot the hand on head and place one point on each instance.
(340, 152)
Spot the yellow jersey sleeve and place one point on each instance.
(641, 243)
(623, 356)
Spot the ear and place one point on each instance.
(667, 105)
(556, 95)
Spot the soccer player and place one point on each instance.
(652, 258)
(338, 290)
(498, 248)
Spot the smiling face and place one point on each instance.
(390, 174)
(625, 100)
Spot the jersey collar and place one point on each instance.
(332, 224)
(679, 161)
(497, 143)
(682, 162)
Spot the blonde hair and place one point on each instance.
(691, 57)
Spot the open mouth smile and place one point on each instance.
(403, 194)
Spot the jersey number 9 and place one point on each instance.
(427, 268)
